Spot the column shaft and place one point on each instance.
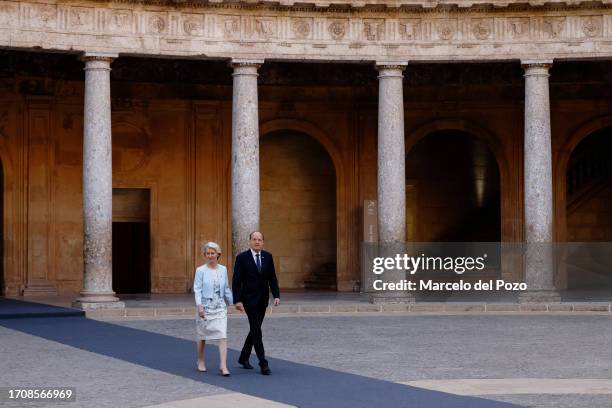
(538, 195)
(391, 155)
(391, 177)
(245, 153)
(97, 187)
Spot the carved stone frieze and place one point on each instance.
(482, 28)
(553, 27)
(446, 29)
(156, 24)
(193, 24)
(260, 28)
(374, 29)
(254, 31)
(518, 28)
(82, 18)
(229, 27)
(592, 26)
(409, 29)
(302, 28)
(119, 21)
(42, 16)
(337, 29)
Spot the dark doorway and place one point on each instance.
(131, 241)
(453, 189)
(131, 256)
(589, 212)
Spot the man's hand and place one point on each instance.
(276, 301)
(201, 311)
(239, 306)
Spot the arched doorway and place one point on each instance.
(298, 209)
(589, 211)
(453, 189)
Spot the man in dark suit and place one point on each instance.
(254, 277)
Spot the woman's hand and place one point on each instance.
(201, 311)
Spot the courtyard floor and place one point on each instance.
(324, 360)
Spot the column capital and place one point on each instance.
(536, 67)
(245, 62)
(99, 56)
(98, 61)
(390, 65)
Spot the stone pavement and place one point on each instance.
(530, 360)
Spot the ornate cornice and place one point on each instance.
(260, 31)
(374, 5)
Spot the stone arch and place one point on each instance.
(320, 137)
(131, 152)
(311, 130)
(508, 230)
(560, 166)
(565, 272)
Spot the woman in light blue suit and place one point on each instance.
(212, 290)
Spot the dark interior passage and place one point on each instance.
(131, 255)
(453, 190)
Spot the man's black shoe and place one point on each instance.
(265, 370)
(245, 364)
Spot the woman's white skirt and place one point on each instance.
(213, 325)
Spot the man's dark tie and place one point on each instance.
(258, 262)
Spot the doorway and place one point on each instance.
(131, 241)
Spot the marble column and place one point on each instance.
(97, 290)
(245, 153)
(391, 155)
(391, 173)
(538, 196)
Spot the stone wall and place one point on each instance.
(174, 139)
(298, 205)
(592, 220)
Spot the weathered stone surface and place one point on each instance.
(97, 187)
(538, 198)
(591, 307)
(245, 153)
(464, 307)
(266, 31)
(502, 307)
(391, 155)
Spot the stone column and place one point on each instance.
(391, 172)
(245, 153)
(391, 154)
(538, 197)
(97, 290)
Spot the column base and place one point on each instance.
(392, 297)
(38, 288)
(97, 302)
(539, 296)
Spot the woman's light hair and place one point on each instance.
(212, 245)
